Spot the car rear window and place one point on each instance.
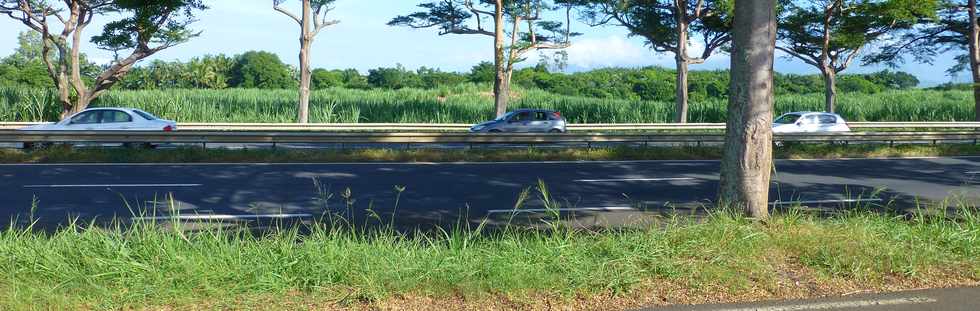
(540, 116)
(145, 115)
(827, 119)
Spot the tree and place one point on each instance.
(667, 26)
(830, 34)
(393, 78)
(324, 79)
(260, 69)
(142, 29)
(465, 17)
(746, 164)
(312, 20)
(954, 29)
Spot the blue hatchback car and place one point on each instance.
(524, 121)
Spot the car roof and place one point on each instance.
(810, 112)
(108, 108)
(533, 109)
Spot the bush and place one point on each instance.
(263, 70)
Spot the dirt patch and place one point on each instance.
(791, 282)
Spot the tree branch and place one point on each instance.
(812, 61)
(286, 12)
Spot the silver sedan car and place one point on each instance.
(106, 119)
(524, 121)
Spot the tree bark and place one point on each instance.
(680, 112)
(305, 40)
(501, 81)
(746, 165)
(680, 56)
(830, 89)
(974, 46)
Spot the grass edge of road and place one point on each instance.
(334, 264)
(66, 154)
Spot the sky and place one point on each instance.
(362, 40)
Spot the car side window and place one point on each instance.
(540, 116)
(89, 117)
(828, 119)
(522, 116)
(115, 116)
(810, 120)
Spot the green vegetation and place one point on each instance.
(679, 260)
(64, 154)
(467, 103)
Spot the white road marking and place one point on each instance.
(222, 217)
(577, 209)
(111, 185)
(839, 305)
(823, 201)
(635, 179)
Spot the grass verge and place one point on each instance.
(723, 258)
(63, 154)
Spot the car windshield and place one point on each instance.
(145, 115)
(787, 119)
(505, 116)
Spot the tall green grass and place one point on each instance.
(468, 103)
(145, 265)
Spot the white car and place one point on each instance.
(809, 122)
(107, 119)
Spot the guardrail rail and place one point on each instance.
(286, 137)
(450, 127)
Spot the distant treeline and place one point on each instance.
(264, 70)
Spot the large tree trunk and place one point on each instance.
(680, 14)
(974, 45)
(680, 112)
(501, 82)
(830, 89)
(747, 160)
(305, 40)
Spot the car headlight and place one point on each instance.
(478, 128)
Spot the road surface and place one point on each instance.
(947, 299)
(445, 193)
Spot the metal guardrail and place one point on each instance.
(449, 127)
(283, 137)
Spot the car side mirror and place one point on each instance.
(799, 122)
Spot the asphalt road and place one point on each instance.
(446, 193)
(946, 299)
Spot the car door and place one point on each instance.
(540, 122)
(809, 124)
(116, 120)
(85, 121)
(519, 122)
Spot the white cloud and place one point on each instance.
(613, 51)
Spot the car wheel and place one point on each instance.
(554, 131)
(494, 131)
